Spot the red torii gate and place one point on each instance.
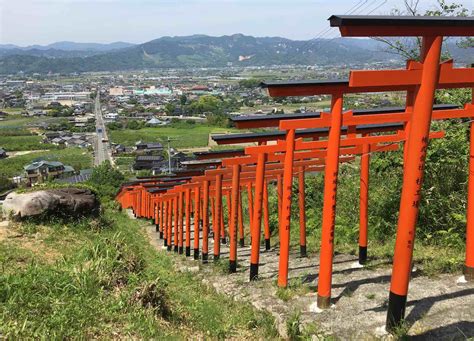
(243, 168)
(425, 76)
(260, 121)
(420, 80)
(348, 118)
(369, 143)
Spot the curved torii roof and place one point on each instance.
(397, 26)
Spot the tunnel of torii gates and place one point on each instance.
(318, 142)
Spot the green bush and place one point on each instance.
(106, 179)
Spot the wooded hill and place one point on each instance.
(193, 51)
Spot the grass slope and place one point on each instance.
(100, 278)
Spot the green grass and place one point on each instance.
(17, 121)
(12, 110)
(100, 278)
(295, 287)
(75, 157)
(183, 137)
(20, 143)
(124, 162)
(16, 136)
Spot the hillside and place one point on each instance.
(62, 49)
(99, 278)
(190, 51)
(198, 51)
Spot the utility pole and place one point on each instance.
(169, 156)
(169, 153)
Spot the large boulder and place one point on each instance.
(64, 201)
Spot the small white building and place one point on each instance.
(111, 116)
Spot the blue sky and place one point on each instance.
(25, 22)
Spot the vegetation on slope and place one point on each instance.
(100, 278)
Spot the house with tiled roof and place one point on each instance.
(40, 171)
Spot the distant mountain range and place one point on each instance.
(195, 51)
(62, 49)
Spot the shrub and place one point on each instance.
(106, 179)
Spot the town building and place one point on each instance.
(83, 176)
(3, 153)
(155, 122)
(148, 162)
(41, 171)
(111, 116)
(148, 147)
(118, 149)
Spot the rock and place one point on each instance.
(64, 201)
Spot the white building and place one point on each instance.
(111, 116)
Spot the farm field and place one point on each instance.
(12, 110)
(17, 121)
(182, 137)
(15, 143)
(75, 157)
(15, 134)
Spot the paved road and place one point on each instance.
(101, 149)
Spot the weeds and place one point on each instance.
(106, 281)
(293, 325)
(401, 332)
(153, 295)
(296, 287)
(370, 296)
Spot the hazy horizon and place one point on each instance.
(175, 36)
(42, 22)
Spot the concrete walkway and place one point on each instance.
(438, 308)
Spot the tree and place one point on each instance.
(409, 48)
(114, 126)
(106, 179)
(183, 99)
(219, 119)
(5, 183)
(250, 83)
(134, 125)
(170, 108)
(18, 94)
(206, 104)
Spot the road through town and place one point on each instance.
(101, 147)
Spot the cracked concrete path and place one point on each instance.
(438, 307)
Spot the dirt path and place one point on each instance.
(25, 152)
(438, 308)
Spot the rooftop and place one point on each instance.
(38, 164)
(395, 26)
